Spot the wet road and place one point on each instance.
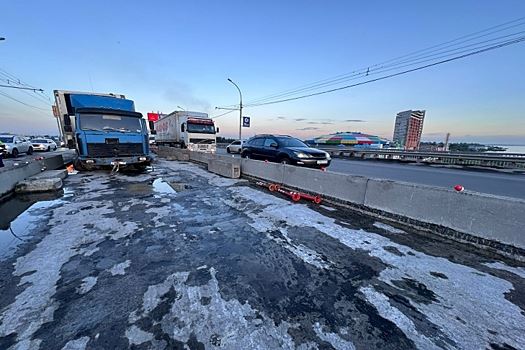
(128, 262)
(484, 181)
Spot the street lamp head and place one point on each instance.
(230, 80)
(2, 38)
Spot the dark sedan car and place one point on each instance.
(284, 149)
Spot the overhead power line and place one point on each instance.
(413, 58)
(21, 88)
(494, 47)
(22, 102)
(429, 58)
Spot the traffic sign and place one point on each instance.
(246, 122)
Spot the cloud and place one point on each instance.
(321, 123)
(308, 128)
(355, 121)
(299, 119)
(281, 118)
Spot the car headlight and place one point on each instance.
(302, 155)
(328, 155)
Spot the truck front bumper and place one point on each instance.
(122, 161)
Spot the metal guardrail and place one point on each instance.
(496, 160)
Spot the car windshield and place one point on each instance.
(39, 141)
(290, 142)
(6, 139)
(201, 128)
(103, 122)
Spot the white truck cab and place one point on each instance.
(192, 130)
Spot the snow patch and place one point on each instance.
(87, 284)
(77, 344)
(387, 227)
(520, 271)
(137, 336)
(119, 269)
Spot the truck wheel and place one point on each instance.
(14, 154)
(30, 151)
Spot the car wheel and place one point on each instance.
(14, 153)
(285, 161)
(245, 155)
(49, 148)
(228, 150)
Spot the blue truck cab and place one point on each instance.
(104, 129)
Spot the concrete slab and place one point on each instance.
(50, 174)
(38, 185)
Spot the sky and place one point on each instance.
(164, 54)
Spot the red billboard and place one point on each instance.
(153, 117)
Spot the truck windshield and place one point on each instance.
(201, 128)
(110, 122)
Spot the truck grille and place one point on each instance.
(115, 150)
(202, 141)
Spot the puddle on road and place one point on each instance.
(17, 217)
(158, 186)
(161, 186)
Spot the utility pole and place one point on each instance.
(240, 108)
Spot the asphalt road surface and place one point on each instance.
(484, 181)
(125, 261)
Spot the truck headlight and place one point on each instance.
(142, 159)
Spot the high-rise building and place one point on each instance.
(408, 129)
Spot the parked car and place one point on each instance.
(235, 146)
(44, 145)
(284, 149)
(15, 145)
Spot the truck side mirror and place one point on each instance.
(182, 127)
(217, 130)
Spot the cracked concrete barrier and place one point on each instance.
(499, 219)
(344, 187)
(227, 169)
(273, 172)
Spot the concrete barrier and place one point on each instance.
(484, 220)
(273, 172)
(224, 168)
(489, 217)
(201, 157)
(11, 176)
(172, 153)
(340, 186)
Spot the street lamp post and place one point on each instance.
(240, 108)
